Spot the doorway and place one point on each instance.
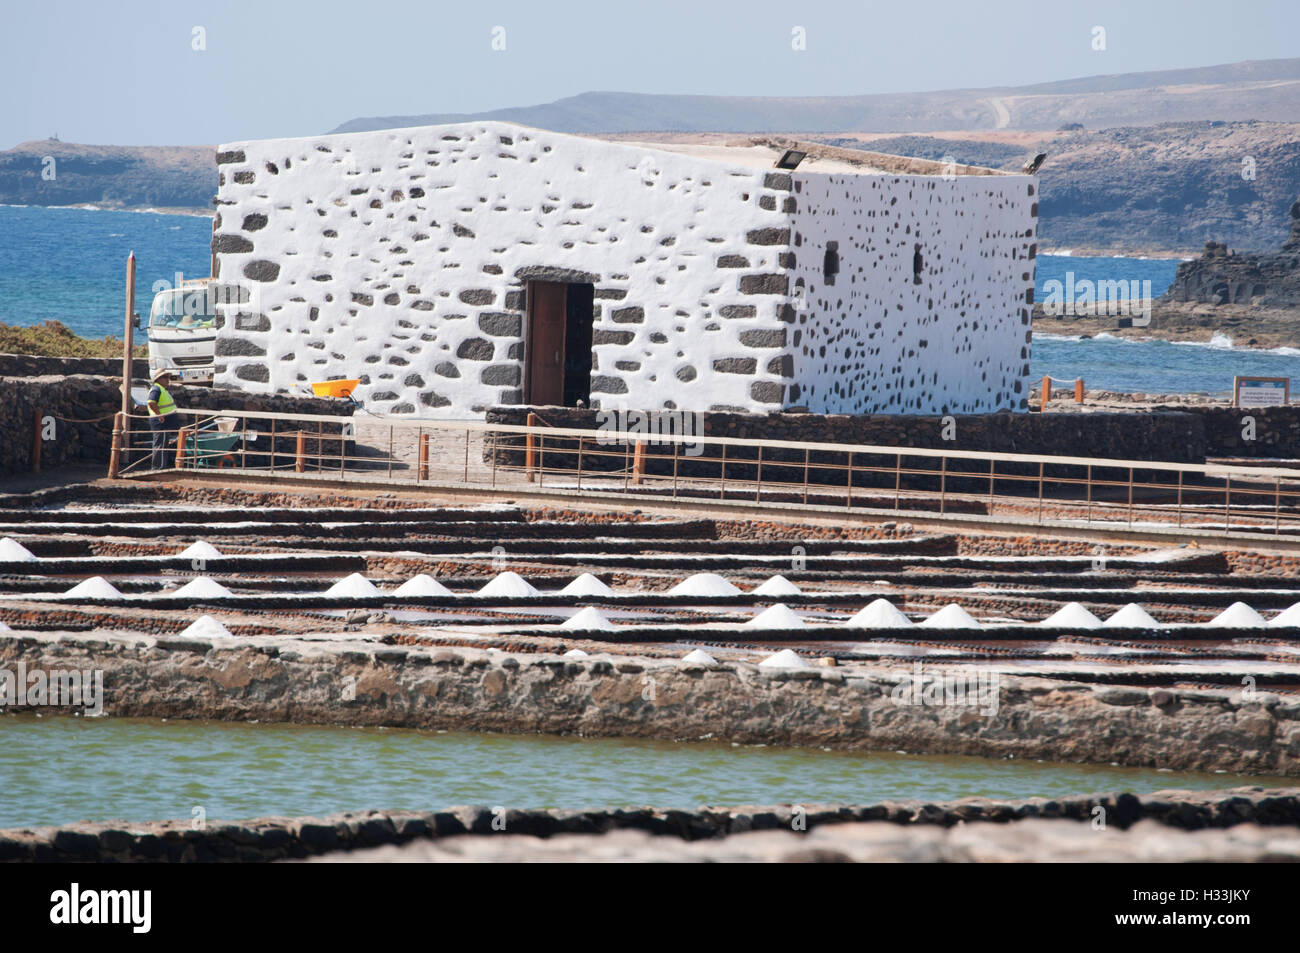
(557, 349)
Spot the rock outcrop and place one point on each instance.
(1223, 277)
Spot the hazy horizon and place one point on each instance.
(130, 74)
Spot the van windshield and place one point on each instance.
(182, 308)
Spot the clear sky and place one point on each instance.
(126, 72)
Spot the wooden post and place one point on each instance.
(180, 447)
(115, 457)
(36, 441)
(127, 362)
(1078, 390)
(300, 463)
(530, 448)
(638, 463)
(424, 456)
(1047, 392)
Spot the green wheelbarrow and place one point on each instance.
(209, 448)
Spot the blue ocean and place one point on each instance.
(69, 264)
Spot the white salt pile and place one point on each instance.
(1287, 617)
(703, 584)
(778, 586)
(1238, 616)
(1072, 615)
(575, 653)
(589, 619)
(201, 588)
(206, 627)
(700, 657)
(1132, 616)
(96, 587)
(587, 585)
(786, 658)
(879, 614)
(508, 585)
(5, 628)
(422, 585)
(952, 616)
(12, 551)
(200, 550)
(355, 586)
(779, 616)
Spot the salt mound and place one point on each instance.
(1238, 616)
(587, 585)
(201, 588)
(1287, 617)
(1072, 615)
(200, 550)
(700, 657)
(422, 585)
(879, 614)
(704, 584)
(206, 627)
(778, 586)
(779, 616)
(96, 587)
(951, 616)
(5, 628)
(509, 585)
(1132, 616)
(575, 653)
(12, 551)
(355, 586)
(786, 658)
(589, 619)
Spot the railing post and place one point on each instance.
(722, 492)
(36, 441)
(300, 453)
(1227, 503)
(391, 428)
(1277, 506)
(638, 463)
(992, 464)
(422, 473)
(1078, 390)
(675, 449)
(1180, 498)
(943, 484)
(494, 458)
(115, 455)
(465, 478)
(1088, 517)
(272, 444)
(1047, 392)
(758, 479)
(1040, 492)
(1130, 497)
(898, 480)
(581, 442)
(805, 476)
(530, 449)
(181, 436)
(848, 503)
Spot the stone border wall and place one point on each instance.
(281, 838)
(282, 679)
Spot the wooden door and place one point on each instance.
(544, 366)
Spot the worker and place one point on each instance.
(162, 415)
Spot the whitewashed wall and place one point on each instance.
(400, 257)
(880, 340)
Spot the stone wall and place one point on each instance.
(277, 678)
(78, 410)
(401, 258)
(31, 365)
(279, 838)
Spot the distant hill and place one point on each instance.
(108, 176)
(1255, 89)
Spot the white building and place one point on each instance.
(453, 268)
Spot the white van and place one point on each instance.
(182, 331)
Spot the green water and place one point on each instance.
(59, 769)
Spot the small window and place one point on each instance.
(917, 264)
(831, 265)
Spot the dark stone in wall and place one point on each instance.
(253, 372)
(763, 338)
(686, 373)
(362, 299)
(243, 178)
(768, 236)
(413, 380)
(221, 244)
(601, 336)
(262, 271)
(627, 315)
(735, 365)
(238, 347)
(403, 408)
(767, 202)
(475, 349)
(505, 375)
(446, 369)
(501, 324)
(780, 181)
(732, 261)
(514, 301)
(546, 273)
(434, 399)
(231, 157)
(738, 311)
(767, 392)
(478, 296)
(602, 384)
(783, 365)
(764, 284)
(255, 222)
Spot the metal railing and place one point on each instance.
(1022, 487)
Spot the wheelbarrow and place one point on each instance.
(336, 388)
(210, 448)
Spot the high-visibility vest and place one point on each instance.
(165, 403)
